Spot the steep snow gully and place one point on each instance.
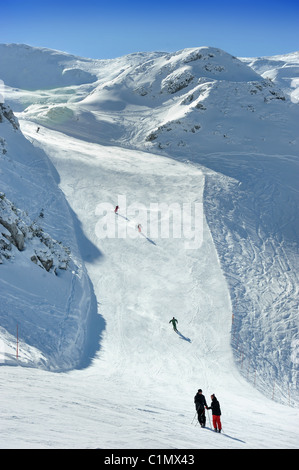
(138, 132)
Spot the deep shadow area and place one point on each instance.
(96, 327)
(96, 323)
(88, 251)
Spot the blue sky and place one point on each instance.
(108, 29)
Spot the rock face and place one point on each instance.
(6, 113)
(18, 231)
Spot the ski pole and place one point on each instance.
(193, 418)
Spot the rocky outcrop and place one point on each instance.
(7, 113)
(18, 232)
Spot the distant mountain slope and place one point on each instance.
(195, 101)
(40, 68)
(282, 69)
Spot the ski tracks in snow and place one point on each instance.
(253, 220)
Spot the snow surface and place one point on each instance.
(99, 365)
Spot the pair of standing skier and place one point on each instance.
(201, 405)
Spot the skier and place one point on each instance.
(139, 228)
(116, 209)
(37, 130)
(216, 413)
(173, 321)
(200, 404)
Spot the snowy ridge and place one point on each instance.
(33, 216)
(196, 126)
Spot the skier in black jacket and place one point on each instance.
(200, 404)
(216, 413)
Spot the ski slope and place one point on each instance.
(138, 392)
(136, 380)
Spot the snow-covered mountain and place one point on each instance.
(195, 126)
(195, 101)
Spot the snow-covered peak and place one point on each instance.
(32, 68)
(210, 62)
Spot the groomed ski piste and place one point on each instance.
(99, 366)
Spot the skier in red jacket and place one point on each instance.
(216, 413)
